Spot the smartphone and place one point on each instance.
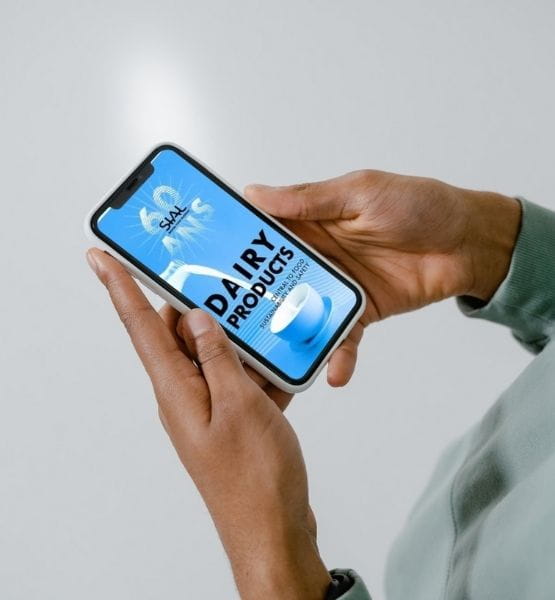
(194, 241)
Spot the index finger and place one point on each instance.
(151, 338)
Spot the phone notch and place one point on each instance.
(131, 185)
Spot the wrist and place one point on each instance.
(284, 565)
(492, 229)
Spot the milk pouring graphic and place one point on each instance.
(177, 272)
(299, 318)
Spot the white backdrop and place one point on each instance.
(93, 502)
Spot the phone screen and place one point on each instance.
(211, 249)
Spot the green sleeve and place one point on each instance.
(525, 301)
(358, 590)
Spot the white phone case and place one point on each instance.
(181, 307)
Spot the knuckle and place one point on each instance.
(132, 318)
(351, 350)
(301, 187)
(360, 174)
(303, 209)
(304, 192)
(360, 178)
(113, 282)
(211, 348)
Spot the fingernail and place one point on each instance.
(93, 264)
(199, 322)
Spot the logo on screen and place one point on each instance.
(173, 219)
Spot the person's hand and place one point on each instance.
(230, 434)
(408, 241)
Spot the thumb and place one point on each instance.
(319, 201)
(212, 350)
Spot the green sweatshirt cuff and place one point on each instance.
(358, 590)
(525, 300)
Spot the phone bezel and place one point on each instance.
(310, 372)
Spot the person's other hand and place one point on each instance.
(230, 434)
(173, 321)
(409, 241)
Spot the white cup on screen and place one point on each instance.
(300, 315)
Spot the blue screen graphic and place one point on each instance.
(222, 257)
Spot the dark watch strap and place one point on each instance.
(340, 583)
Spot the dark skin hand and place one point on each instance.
(228, 429)
(409, 242)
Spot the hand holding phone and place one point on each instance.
(409, 241)
(194, 241)
(229, 433)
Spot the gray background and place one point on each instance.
(93, 502)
